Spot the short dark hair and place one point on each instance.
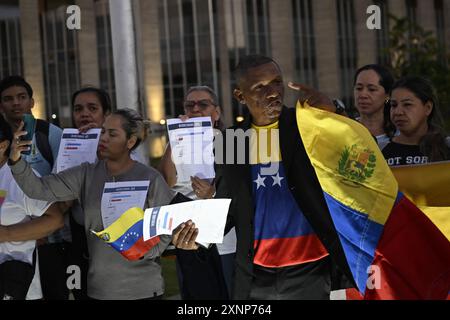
(250, 61)
(102, 95)
(15, 81)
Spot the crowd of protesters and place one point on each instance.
(45, 217)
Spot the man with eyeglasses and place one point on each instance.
(202, 101)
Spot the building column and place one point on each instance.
(150, 73)
(32, 54)
(151, 53)
(282, 43)
(426, 15)
(325, 27)
(87, 44)
(225, 74)
(365, 38)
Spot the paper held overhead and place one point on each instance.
(192, 147)
(76, 148)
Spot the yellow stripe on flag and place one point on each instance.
(440, 216)
(347, 161)
(428, 186)
(425, 184)
(121, 225)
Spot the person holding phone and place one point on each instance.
(20, 217)
(16, 103)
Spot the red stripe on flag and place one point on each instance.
(413, 257)
(353, 294)
(140, 248)
(285, 252)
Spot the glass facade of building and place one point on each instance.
(347, 49)
(10, 45)
(195, 39)
(60, 61)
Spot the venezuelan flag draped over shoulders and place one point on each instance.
(379, 228)
(428, 186)
(126, 235)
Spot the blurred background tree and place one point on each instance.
(415, 51)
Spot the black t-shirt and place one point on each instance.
(400, 154)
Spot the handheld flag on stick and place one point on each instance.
(376, 223)
(126, 235)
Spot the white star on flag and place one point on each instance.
(277, 179)
(259, 182)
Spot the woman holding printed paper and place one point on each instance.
(90, 107)
(110, 276)
(201, 101)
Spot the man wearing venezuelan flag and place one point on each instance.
(284, 231)
(316, 207)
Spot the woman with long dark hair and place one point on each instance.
(372, 84)
(415, 112)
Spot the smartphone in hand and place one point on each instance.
(29, 126)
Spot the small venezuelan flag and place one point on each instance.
(126, 235)
(381, 231)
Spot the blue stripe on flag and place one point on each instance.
(359, 237)
(129, 238)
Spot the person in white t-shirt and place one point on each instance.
(17, 256)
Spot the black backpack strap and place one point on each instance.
(42, 143)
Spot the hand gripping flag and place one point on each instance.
(126, 235)
(383, 234)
